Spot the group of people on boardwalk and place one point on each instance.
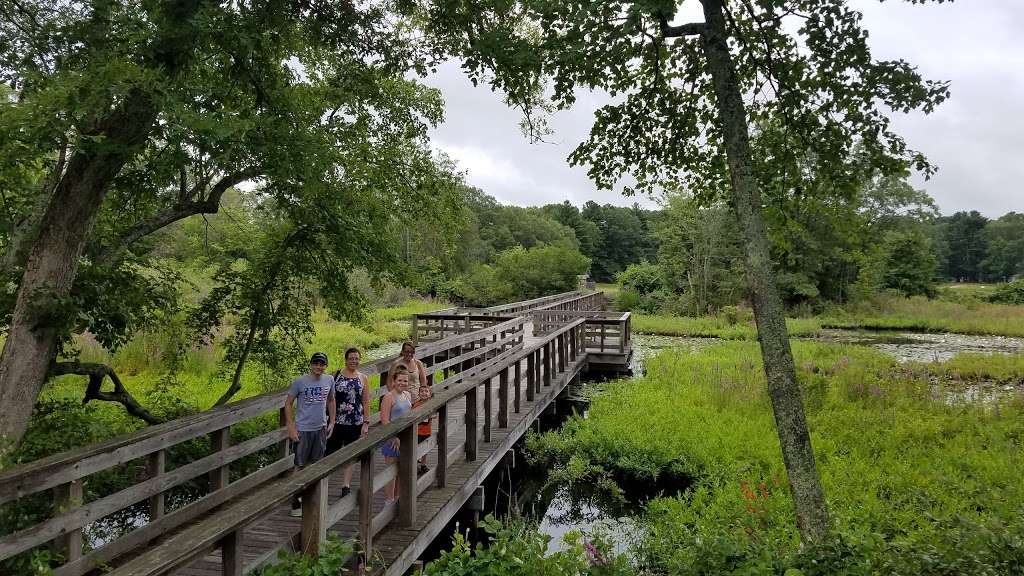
(325, 412)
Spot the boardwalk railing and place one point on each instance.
(63, 474)
(439, 324)
(605, 331)
(520, 372)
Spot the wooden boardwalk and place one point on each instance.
(493, 372)
(398, 547)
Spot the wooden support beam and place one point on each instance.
(220, 440)
(442, 446)
(366, 504)
(65, 497)
(472, 410)
(503, 399)
(488, 393)
(232, 559)
(407, 477)
(155, 464)
(314, 516)
(531, 377)
(517, 377)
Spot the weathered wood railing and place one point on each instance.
(520, 373)
(431, 326)
(605, 331)
(64, 474)
(434, 326)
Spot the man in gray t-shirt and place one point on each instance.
(309, 425)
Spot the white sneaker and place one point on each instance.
(296, 512)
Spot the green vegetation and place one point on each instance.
(335, 555)
(923, 315)
(920, 479)
(517, 550)
(962, 315)
(722, 325)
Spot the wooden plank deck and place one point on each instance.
(395, 548)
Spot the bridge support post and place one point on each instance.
(407, 477)
(487, 409)
(314, 516)
(471, 424)
(548, 363)
(531, 377)
(232, 561)
(219, 477)
(366, 504)
(503, 398)
(441, 475)
(68, 496)
(517, 377)
(154, 467)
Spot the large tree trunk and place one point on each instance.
(787, 403)
(53, 260)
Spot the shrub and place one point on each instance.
(518, 550)
(644, 278)
(1009, 293)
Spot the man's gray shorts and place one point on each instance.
(311, 447)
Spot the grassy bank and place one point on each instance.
(714, 326)
(919, 479)
(968, 316)
(920, 314)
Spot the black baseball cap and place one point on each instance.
(318, 358)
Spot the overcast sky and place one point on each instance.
(976, 138)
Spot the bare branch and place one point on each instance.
(210, 205)
(96, 373)
(688, 29)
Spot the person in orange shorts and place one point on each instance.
(424, 428)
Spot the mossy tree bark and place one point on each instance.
(787, 402)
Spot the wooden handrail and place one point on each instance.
(27, 479)
(180, 549)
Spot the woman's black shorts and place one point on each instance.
(343, 435)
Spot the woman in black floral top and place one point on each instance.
(352, 398)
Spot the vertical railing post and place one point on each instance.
(572, 343)
(547, 363)
(537, 365)
(284, 445)
(366, 504)
(314, 517)
(622, 337)
(466, 328)
(67, 497)
(155, 464)
(232, 559)
(407, 476)
(441, 474)
(487, 409)
(220, 476)
(562, 348)
(472, 410)
(517, 379)
(415, 329)
(531, 377)
(602, 335)
(503, 398)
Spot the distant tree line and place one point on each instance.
(973, 248)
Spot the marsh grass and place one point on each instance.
(714, 326)
(967, 315)
(906, 474)
(202, 375)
